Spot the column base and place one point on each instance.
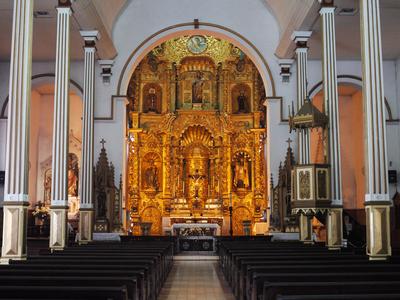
(378, 231)
(334, 228)
(85, 225)
(14, 231)
(58, 227)
(306, 229)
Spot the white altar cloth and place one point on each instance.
(197, 225)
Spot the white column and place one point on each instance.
(59, 188)
(301, 38)
(331, 99)
(16, 200)
(303, 137)
(86, 179)
(377, 200)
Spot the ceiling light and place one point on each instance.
(348, 11)
(42, 14)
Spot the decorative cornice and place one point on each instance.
(301, 38)
(65, 3)
(327, 3)
(90, 37)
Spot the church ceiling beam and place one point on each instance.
(300, 15)
(89, 15)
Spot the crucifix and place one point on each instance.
(289, 141)
(102, 142)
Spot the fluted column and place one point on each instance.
(303, 137)
(86, 180)
(59, 188)
(334, 217)
(306, 231)
(17, 151)
(377, 200)
(301, 38)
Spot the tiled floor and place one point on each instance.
(196, 280)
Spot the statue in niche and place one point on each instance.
(151, 176)
(152, 101)
(47, 187)
(241, 96)
(241, 179)
(197, 88)
(101, 204)
(242, 101)
(197, 178)
(153, 63)
(73, 175)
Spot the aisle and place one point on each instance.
(196, 280)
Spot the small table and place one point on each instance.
(196, 236)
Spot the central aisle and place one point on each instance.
(196, 280)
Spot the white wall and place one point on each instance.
(391, 84)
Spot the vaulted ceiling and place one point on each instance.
(303, 15)
(290, 14)
(88, 14)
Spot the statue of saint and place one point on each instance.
(101, 204)
(152, 101)
(73, 173)
(197, 88)
(47, 188)
(241, 180)
(241, 99)
(151, 176)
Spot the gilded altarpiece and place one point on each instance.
(195, 137)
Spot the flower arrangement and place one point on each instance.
(41, 211)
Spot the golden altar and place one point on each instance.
(195, 137)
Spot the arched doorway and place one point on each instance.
(351, 120)
(40, 151)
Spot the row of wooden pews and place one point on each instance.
(257, 269)
(112, 271)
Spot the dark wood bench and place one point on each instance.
(262, 282)
(64, 292)
(332, 289)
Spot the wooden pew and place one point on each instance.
(64, 292)
(333, 289)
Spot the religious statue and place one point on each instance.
(73, 174)
(101, 204)
(152, 101)
(197, 178)
(151, 176)
(197, 88)
(241, 99)
(241, 179)
(47, 187)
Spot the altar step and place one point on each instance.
(196, 256)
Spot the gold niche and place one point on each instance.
(196, 137)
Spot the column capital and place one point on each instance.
(90, 37)
(301, 38)
(285, 65)
(327, 10)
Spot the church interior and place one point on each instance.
(214, 149)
